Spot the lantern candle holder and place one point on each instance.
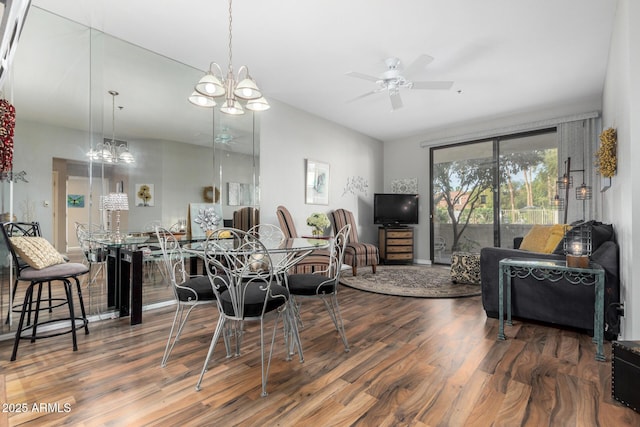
(577, 246)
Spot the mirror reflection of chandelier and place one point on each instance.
(232, 88)
(112, 151)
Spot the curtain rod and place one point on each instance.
(509, 130)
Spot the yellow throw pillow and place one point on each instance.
(555, 237)
(36, 251)
(536, 239)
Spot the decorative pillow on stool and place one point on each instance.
(36, 251)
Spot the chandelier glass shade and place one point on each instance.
(112, 151)
(233, 88)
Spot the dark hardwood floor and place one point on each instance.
(418, 362)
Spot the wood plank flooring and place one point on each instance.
(417, 362)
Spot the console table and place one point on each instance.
(553, 271)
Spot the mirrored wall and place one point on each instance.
(63, 84)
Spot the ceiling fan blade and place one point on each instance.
(420, 63)
(396, 101)
(364, 95)
(432, 85)
(362, 76)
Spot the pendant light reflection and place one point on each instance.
(112, 151)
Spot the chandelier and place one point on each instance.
(213, 85)
(112, 151)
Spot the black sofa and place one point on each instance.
(559, 303)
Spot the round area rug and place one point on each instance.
(410, 281)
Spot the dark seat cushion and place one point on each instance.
(201, 285)
(254, 299)
(307, 284)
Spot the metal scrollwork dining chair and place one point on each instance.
(95, 256)
(323, 284)
(241, 273)
(189, 291)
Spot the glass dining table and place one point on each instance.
(285, 253)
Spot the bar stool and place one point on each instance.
(45, 266)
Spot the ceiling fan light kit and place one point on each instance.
(393, 79)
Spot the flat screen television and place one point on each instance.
(395, 209)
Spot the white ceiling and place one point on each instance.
(505, 56)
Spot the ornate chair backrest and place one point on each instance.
(337, 253)
(286, 222)
(173, 258)
(268, 233)
(23, 229)
(272, 237)
(238, 262)
(13, 229)
(92, 252)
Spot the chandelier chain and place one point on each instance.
(113, 117)
(230, 37)
(242, 86)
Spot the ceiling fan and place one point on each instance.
(394, 79)
(225, 137)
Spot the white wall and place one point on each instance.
(288, 137)
(621, 110)
(35, 145)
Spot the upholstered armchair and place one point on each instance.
(246, 218)
(356, 254)
(317, 260)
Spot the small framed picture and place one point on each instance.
(317, 183)
(145, 195)
(75, 201)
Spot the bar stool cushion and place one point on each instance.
(58, 271)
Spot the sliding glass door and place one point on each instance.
(528, 175)
(485, 193)
(462, 182)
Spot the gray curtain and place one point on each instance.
(579, 140)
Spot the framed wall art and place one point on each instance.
(317, 183)
(75, 201)
(239, 194)
(145, 195)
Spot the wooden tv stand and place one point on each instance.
(396, 245)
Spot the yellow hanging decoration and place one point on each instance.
(606, 160)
